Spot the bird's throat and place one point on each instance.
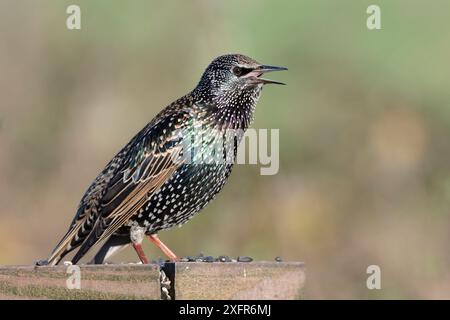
(233, 110)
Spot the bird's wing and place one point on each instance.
(125, 184)
(151, 162)
(138, 184)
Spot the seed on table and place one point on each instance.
(244, 259)
(224, 259)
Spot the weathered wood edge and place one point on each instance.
(189, 280)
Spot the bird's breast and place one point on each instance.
(189, 190)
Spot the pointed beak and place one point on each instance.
(266, 69)
(255, 75)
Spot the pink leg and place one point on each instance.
(155, 240)
(140, 252)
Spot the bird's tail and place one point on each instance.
(91, 240)
(71, 240)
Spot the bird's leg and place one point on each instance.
(169, 253)
(137, 235)
(140, 252)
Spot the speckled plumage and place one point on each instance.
(151, 183)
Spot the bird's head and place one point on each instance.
(235, 73)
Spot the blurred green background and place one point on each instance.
(364, 130)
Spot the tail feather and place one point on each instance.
(91, 240)
(71, 240)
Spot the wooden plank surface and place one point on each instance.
(96, 282)
(239, 280)
(188, 280)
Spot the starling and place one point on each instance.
(165, 175)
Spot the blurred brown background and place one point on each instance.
(364, 130)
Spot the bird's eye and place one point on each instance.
(239, 71)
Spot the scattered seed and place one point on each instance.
(224, 259)
(244, 259)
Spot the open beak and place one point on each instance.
(255, 75)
